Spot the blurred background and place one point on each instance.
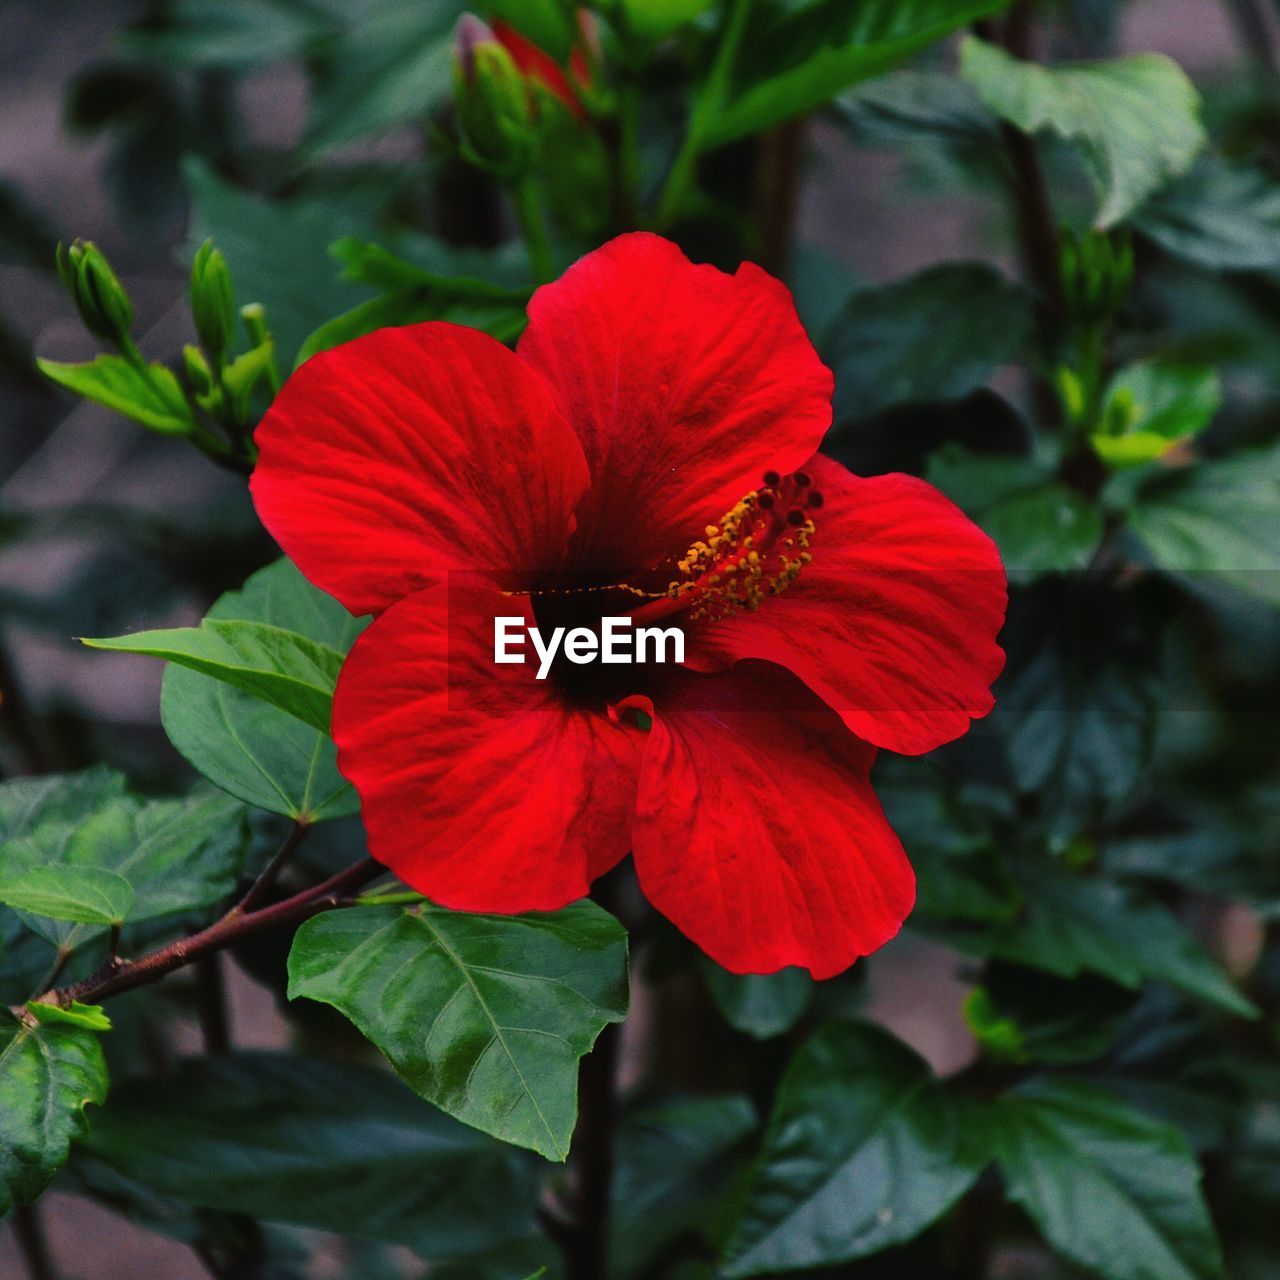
(277, 128)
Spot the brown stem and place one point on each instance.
(584, 1238)
(31, 1243)
(1037, 228)
(271, 871)
(1255, 33)
(582, 1228)
(778, 167)
(211, 1006)
(123, 975)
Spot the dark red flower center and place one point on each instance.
(755, 551)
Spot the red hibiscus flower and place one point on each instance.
(649, 449)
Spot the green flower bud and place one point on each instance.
(199, 375)
(98, 294)
(254, 316)
(494, 105)
(212, 300)
(1097, 273)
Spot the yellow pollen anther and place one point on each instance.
(755, 551)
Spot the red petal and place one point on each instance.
(537, 64)
(894, 622)
(684, 384)
(479, 787)
(757, 832)
(410, 452)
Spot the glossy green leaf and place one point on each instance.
(49, 1072)
(1113, 1191)
(1039, 524)
(486, 1016)
(863, 1151)
(293, 1139)
(674, 1162)
(796, 57)
(1138, 118)
(75, 1014)
(934, 336)
(154, 399)
(1218, 522)
(175, 856)
(1073, 924)
(915, 106)
(761, 1005)
(1150, 406)
(1221, 216)
(281, 667)
(445, 289)
(253, 749)
(1045, 529)
(1077, 702)
(84, 895)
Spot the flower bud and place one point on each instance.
(199, 375)
(98, 294)
(494, 105)
(212, 300)
(254, 316)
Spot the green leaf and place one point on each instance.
(176, 856)
(236, 34)
(244, 374)
(89, 1016)
(486, 1016)
(761, 1005)
(863, 1151)
(252, 748)
(918, 106)
(1151, 405)
(1217, 520)
(1074, 924)
(445, 289)
(1138, 118)
(1044, 530)
(675, 1159)
(48, 1074)
(86, 895)
(657, 19)
(387, 69)
(154, 399)
(934, 336)
(797, 56)
(1110, 1189)
(278, 253)
(1039, 524)
(1221, 216)
(279, 666)
(502, 319)
(1077, 701)
(293, 1139)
